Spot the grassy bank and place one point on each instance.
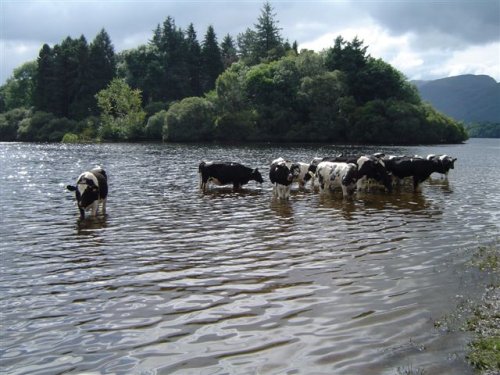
(480, 314)
(484, 318)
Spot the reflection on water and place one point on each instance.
(172, 280)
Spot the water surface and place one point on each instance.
(175, 281)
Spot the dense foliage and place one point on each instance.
(484, 130)
(256, 87)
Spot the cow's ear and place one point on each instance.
(71, 188)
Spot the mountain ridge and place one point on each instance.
(469, 98)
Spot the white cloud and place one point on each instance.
(18, 53)
(473, 60)
(430, 63)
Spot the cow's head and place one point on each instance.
(295, 170)
(86, 191)
(256, 176)
(351, 176)
(281, 172)
(374, 167)
(448, 162)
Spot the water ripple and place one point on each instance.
(175, 281)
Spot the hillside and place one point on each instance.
(468, 98)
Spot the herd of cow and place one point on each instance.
(347, 173)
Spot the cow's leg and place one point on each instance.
(417, 184)
(94, 207)
(287, 192)
(104, 206)
(236, 186)
(204, 184)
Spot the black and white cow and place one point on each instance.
(418, 168)
(311, 175)
(443, 163)
(91, 189)
(371, 172)
(337, 174)
(226, 173)
(282, 174)
(370, 169)
(303, 175)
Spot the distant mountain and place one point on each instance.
(467, 98)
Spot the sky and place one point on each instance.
(424, 39)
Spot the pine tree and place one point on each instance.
(173, 52)
(212, 60)
(45, 80)
(193, 61)
(102, 65)
(228, 51)
(269, 44)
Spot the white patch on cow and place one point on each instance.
(82, 185)
(303, 171)
(281, 191)
(331, 174)
(215, 181)
(362, 160)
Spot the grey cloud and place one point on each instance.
(475, 22)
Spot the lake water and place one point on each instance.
(175, 281)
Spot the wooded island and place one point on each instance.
(256, 88)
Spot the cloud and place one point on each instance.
(468, 21)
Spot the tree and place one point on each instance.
(228, 51)
(269, 44)
(173, 53)
(190, 120)
(263, 43)
(193, 62)
(350, 58)
(10, 122)
(320, 101)
(45, 81)
(155, 124)
(236, 119)
(122, 116)
(379, 80)
(101, 65)
(212, 60)
(19, 89)
(247, 47)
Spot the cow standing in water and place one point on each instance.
(443, 163)
(91, 189)
(221, 173)
(282, 173)
(337, 174)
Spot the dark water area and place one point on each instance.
(173, 281)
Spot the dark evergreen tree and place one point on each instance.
(247, 47)
(228, 51)
(269, 43)
(212, 60)
(45, 80)
(81, 102)
(193, 61)
(173, 52)
(66, 67)
(101, 65)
